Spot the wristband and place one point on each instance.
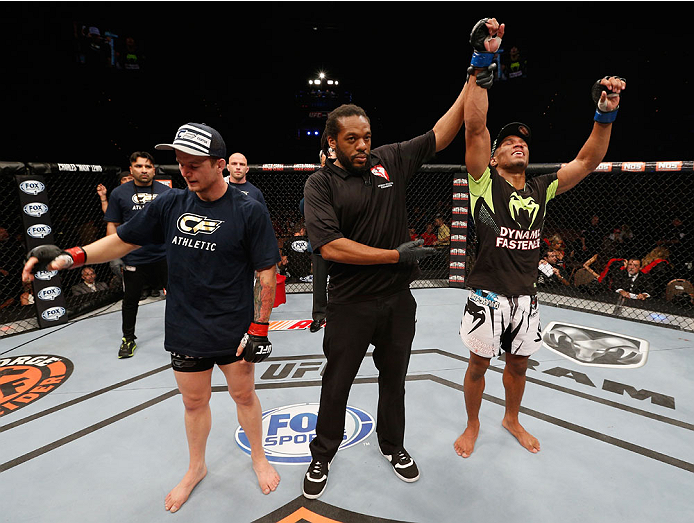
(605, 117)
(258, 329)
(482, 59)
(79, 257)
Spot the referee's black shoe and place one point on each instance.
(316, 478)
(403, 465)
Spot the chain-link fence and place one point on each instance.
(50, 203)
(643, 211)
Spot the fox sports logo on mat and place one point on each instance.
(288, 430)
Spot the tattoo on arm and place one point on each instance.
(264, 295)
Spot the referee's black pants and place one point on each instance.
(320, 282)
(387, 323)
(155, 274)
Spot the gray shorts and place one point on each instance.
(492, 323)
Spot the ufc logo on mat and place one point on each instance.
(193, 224)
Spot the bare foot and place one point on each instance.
(526, 439)
(268, 478)
(465, 443)
(179, 495)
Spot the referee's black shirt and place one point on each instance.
(367, 209)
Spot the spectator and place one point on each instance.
(443, 232)
(631, 283)
(88, 283)
(27, 296)
(146, 265)
(238, 169)
(123, 177)
(550, 272)
(428, 235)
(513, 65)
(592, 236)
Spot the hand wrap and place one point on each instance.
(602, 115)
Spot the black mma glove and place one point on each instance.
(602, 114)
(74, 257)
(485, 77)
(255, 343)
(412, 252)
(483, 44)
(116, 266)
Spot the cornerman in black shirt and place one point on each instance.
(356, 216)
(501, 314)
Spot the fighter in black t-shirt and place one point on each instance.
(356, 216)
(215, 239)
(508, 209)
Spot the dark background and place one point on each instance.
(238, 66)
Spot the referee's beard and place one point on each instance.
(347, 162)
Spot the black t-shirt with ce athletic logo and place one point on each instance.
(369, 209)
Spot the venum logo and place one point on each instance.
(26, 379)
(35, 209)
(40, 230)
(32, 187)
(288, 430)
(194, 224)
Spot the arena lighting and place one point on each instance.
(310, 82)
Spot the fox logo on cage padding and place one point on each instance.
(595, 347)
(193, 224)
(288, 430)
(26, 379)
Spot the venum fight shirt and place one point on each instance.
(368, 209)
(212, 251)
(508, 223)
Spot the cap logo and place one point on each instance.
(195, 139)
(524, 130)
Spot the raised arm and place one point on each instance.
(607, 96)
(485, 39)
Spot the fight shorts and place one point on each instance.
(492, 323)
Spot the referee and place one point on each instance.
(356, 217)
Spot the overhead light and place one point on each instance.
(322, 75)
(310, 82)
(330, 82)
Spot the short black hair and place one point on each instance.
(332, 124)
(141, 154)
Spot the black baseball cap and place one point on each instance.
(197, 139)
(512, 129)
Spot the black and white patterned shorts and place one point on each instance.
(492, 323)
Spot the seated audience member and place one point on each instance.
(443, 232)
(550, 272)
(428, 235)
(88, 283)
(631, 283)
(27, 296)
